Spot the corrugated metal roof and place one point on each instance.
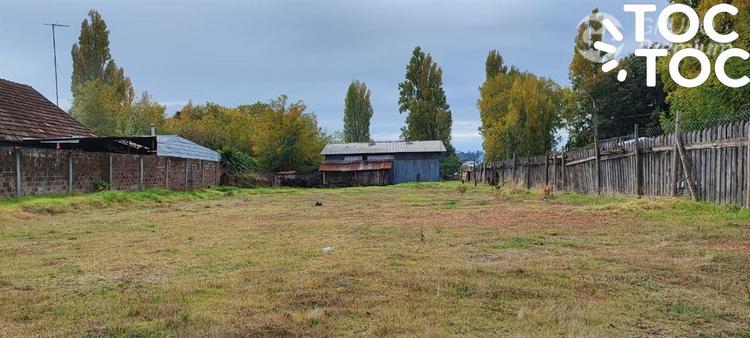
(355, 166)
(384, 148)
(176, 146)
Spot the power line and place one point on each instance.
(54, 55)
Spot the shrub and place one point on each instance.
(101, 184)
(236, 161)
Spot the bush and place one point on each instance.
(236, 161)
(101, 184)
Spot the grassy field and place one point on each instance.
(426, 260)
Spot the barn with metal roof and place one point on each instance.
(381, 163)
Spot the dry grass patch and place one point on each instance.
(415, 259)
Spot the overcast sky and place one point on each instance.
(234, 52)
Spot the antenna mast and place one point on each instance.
(54, 54)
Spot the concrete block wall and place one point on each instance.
(49, 171)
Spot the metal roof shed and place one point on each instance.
(394, 147)
(176, 146)
(404, 161)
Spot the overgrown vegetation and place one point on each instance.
(236, 161)
(439, 262)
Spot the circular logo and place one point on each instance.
(599, 24)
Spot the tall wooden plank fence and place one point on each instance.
(651, 166)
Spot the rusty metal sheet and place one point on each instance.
(356, 166)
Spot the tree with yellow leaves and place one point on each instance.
(287, 137)
(519, 112)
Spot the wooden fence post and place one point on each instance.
(598, 168)
(747, 166)
(546, 168)
(675, 168)
(528, 172)
(564, 171)
(686, 166)
(597, 161)
(638, 168)
(554, 169)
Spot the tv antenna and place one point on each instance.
(54, 55)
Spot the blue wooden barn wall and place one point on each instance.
(406, 167)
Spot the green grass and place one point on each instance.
(409, 260)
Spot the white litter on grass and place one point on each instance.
(327, 249)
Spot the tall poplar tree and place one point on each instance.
(422, 96)
(429, 115)
(494, 64)
(102, 94)
(357, 113)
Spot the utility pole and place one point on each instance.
(54, 54)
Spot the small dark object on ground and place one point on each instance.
(318, 204)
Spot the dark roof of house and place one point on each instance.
(384, 148)
(176, 146)
(27, 114)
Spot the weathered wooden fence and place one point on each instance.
(716, 159)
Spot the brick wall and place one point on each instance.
(46, 171)
(50, 175)
(7, 172)
(96, 166)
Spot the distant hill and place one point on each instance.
(476, 156)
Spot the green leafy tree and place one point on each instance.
(357, 113)
(422, 96)
(495, 64)
(519, 112)
(712, 100)
(582, 70)
(143, 114)
(216, 126)
(236, 161)
(91, 53)
(620, 105)
(99, 86)
(97, 106)
(429, 115)
(451, 164)
(287, 137)
(582, 73)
